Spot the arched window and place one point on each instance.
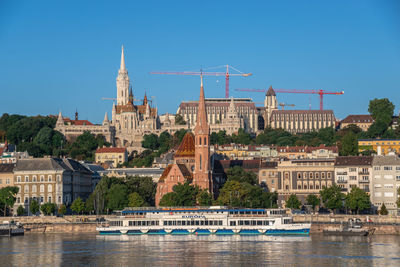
(34, 188)
(322, 175)
(299, 175)
(205, 141)
(26, 188)
(49, 188)
(199, 140)
(42, 188)
(299, 187)
(200, 162)
(316, 175)
(311, 175)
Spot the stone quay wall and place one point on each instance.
(385, 225)
(87, 224)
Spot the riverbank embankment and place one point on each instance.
(385, 225)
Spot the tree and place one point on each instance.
(117, 197)
(204, 198)
(332, 197)
(34, 207)
(313, 200)
(7, 197)
(186, 194)
(357, 200)
(233, 193)
(144, 186)
(383, 210)
(150, 141)
(293, 202)
(237, 173)
(48, 208)
(179, 120)
(89, 204)
(20, 210)
(78, 205)
(135, 200)
(169, 200)
(62, 209)
(381, 110)
(349, 145)
(398, 198)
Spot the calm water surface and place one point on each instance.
(93, 250)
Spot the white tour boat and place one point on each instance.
(202, 221)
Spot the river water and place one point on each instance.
(94, 250)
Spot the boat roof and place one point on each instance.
(192, 209)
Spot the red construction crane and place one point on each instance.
(319, 92)
(283, 105)
(226, 74)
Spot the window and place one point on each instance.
(316, 175)
(59, 199)
(34, 188)
(26, 188)
(378, 194)
(352, 169)
(329, 175)
(49, 199)
(205, 141)
(42, 178)
(42, 188)
(322, 175)
(7, 181)
(58, 178)
(353, 177)
(200, 161)
(49, 188)
(199, 140)
(26, 178)
(49, 178)
(387, 168)
(18, 179)
(388, 194)
(34, 178)
(311, 175)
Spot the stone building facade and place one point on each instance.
(353, 171)
(385, 182)
(53, 180)
(295, 121)
(380, 146)
(6, 175)
(362, 121)
(111, 155)
(71, 129)
(300, 177)
(223, 114)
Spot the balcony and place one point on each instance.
(341, 173)
(341, 181)
(363, 173)
(363, 181)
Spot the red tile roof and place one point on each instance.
(186, 148)
(78, 122)
(111, 150)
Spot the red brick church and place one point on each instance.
(192, 159)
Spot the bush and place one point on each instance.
(383, 210)
(62, 209)
(48, 208)
(20, 210)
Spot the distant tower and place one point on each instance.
(60, 120)
(270, 104)
(122, 82)
(76, 114)
(106, 122)
(202, 174)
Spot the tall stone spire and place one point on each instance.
(105, 121)
(201, 123)
(202, 174)
(122, 82)
(122, 59)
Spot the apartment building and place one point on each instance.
(385, 182)
(380, 146)
(6, 175)
(111, 155)
(353, 171)
(53, 180)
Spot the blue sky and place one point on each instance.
(65, 55)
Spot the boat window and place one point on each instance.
(259, 222)
(178, 222)
(165, 223)
(220, 222)
(197, 222)
(248, 212)
(183, 222)
(169, 222)
(232, 223)
(246, 222)
(206, 223)
(242, 212)
(240, 222)
(211, 222)
(201, 222)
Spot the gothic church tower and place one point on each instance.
(122, 82)
(270, 105)
(202, 174)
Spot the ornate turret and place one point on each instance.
(145, 99)
(270, 105)
(60, 120)
(130, 101)
(106, 121)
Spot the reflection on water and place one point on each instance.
(94, 250)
